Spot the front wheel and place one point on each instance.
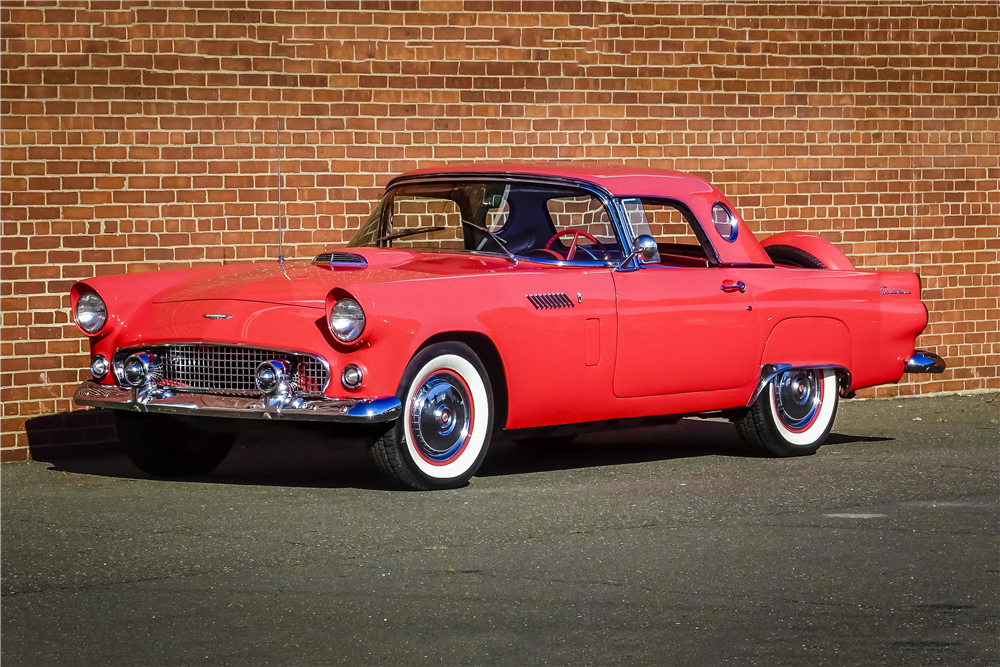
(441, 437)
(793, 415)
(163, 446)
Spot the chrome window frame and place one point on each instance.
(606, 198)
(714, 259)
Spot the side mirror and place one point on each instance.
(644, 247)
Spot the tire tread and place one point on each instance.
(385, 454)
(753, 428)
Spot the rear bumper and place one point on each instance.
(170, 401)
(925, 362)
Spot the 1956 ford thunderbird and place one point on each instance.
(531, 301)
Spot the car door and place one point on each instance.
(556, 329)
(685, 324)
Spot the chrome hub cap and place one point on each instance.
(440, 416)
(798, 395)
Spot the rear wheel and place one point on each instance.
(793, 415)
(441, 438)
(163, 446)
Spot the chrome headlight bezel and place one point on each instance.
(90, 313)
(347, 320)
(352, 377)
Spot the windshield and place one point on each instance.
(534, 221)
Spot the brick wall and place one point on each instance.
(140, 136)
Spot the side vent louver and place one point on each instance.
(340, 260)
(551, 300)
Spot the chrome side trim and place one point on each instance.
(769, 371)
(286, 407)
(923, 361)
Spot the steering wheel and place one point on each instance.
(572, 248)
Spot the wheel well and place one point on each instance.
(805, 250)
(490, 356)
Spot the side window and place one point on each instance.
(584, 214)
(676, 241)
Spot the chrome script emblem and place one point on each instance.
(217, 316)
(885, 290)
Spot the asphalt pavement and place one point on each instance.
(668, 546)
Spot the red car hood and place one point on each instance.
(297, 283)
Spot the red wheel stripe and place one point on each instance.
(472, 417)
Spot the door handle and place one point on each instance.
(730, 286)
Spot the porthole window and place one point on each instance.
(725, 222)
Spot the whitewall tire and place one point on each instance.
(793, 415)
(442, 436)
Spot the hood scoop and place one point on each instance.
(340, 260)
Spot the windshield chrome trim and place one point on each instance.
(607, 200)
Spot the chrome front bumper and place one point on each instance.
(169, 400)
(924, 362)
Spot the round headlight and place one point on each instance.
(91, 313)
(347, 320)
(98, 366)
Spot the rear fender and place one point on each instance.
(811, 342)
(821, 249)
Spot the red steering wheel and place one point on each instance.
(572, 247)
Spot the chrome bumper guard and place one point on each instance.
(925, 362)
(770, 371)
(171, 401)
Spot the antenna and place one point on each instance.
(281, 257)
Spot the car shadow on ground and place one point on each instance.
(282, 455)
(689, 438)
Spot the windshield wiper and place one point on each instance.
(408, 232)
(500, 242)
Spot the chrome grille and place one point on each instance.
(228, 369)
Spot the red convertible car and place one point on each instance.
(529, 301)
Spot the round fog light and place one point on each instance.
(351, 377)
(136, 370)
(98, 366)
